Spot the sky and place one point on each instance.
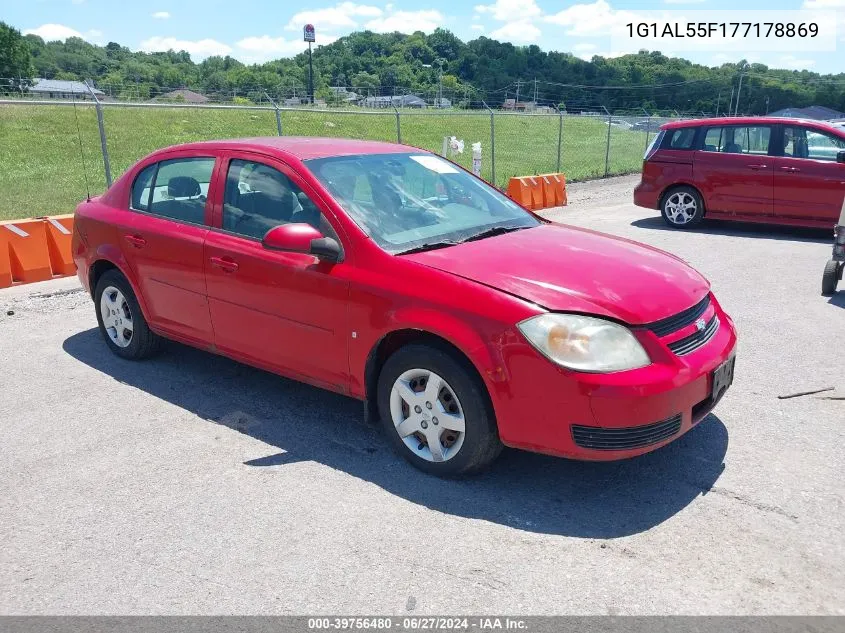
(259, 30)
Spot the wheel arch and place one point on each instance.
(394, 340)
(106, 260)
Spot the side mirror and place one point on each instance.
(301, 238)
(840, 157)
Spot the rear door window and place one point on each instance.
(738, 139)
(180, 189)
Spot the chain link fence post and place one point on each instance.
(492, 144)
(278, 113)
(398, 126)
(100, 124)
(559, 138)
(607, 146)
(647, 127)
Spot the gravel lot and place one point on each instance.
(191, 484)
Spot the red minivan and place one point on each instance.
(753, 169)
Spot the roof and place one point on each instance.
(301, 147)
(811, 112)
(62, 85)
(742, 120)
(188, 95)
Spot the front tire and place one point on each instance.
(682, 208)
(830, 278)
(121, 321)
(436, 412)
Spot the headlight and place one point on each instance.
(584, 343)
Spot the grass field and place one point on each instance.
(42, 172)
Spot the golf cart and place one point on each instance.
(833, 268)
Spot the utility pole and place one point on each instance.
(738, 92)
(517, 91)
(731, 102)
(535, 90)
(718, 101)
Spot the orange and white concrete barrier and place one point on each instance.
(538, 192)
(35, 249)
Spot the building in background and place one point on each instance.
(62, 89)
(819, 113)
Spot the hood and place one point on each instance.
(563, 268)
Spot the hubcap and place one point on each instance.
(117, 317)
(680, 208)
(427, 415)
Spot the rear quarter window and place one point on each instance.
(682, 138)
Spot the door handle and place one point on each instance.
(226, 264)
(136, 240)
(756, 167)
(791, 170)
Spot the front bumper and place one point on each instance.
(547, 409)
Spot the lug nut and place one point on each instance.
(434, 420)
(427, 405)
(424, 424)
(418, 409)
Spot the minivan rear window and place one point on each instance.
(681, 138)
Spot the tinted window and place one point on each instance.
(181, 189)
(142, 187)
(405, 201)
(800, 142)
(738, 140)
(682, 138)
(259, 197)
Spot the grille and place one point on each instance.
(620, 439)
(694, 341)
(680, 320)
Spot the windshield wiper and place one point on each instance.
(495, 230)
(428, 246)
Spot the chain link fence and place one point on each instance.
(56, 150)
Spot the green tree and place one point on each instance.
(15, 58)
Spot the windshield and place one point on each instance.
(411, 201)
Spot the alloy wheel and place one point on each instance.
(117, 317)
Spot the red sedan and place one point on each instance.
(754, 169)
(391, 275)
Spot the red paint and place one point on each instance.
(295, 314)
(770, 188)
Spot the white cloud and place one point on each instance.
(595, 19)
(794, 63)
(823, 4)
(683, 1)
(585, 46)
(199, 49)
(477, 27)
(520, 32)
(161, 15)
(342, 16)
(53, 32)
(262, 48)
(507, 10)
(407, 22)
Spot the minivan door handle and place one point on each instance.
(791, 170)
(226, 264)
(136, 240)
(756, 167)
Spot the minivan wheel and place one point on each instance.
(121, 321)
(830, 278)
(682, 208)
(436, 413)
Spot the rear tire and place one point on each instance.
(427, 394)
(830, 278)
(682, 207)
(121, 321)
